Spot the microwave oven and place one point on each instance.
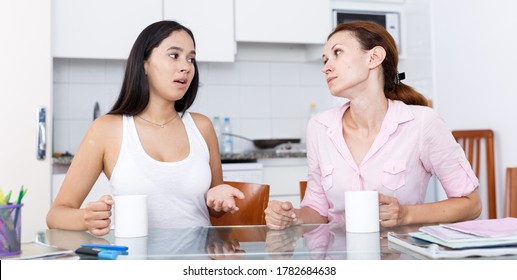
(390, 21)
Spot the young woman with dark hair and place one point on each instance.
(150, 144)
(384, 138)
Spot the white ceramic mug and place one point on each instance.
(362, 211)
(363, 246)
(130, 215)
(137, 247)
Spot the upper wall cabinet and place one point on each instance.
(283, 21)
(212, 24)
(98, 28)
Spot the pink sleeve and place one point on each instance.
(318, 239)
(315, 197)
(445, 158)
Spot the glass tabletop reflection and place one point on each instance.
(305, 242)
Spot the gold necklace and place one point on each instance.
(160, 125)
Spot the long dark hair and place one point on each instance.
(134, 94)
(370, 35)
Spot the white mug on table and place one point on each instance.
(362, 211)
(130, 214)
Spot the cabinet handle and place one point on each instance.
(41, 146)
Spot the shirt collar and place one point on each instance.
(398, 113)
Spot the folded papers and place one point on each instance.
(418, 247)
(494, 237)
(476, 233)
(487, 228)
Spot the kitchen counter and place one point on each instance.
(253, 156)
(61, 164)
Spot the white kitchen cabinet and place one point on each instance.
(212, 23)
(283, 21)
(97, 29)
(243, 172)
(284, 176)
(100, 29)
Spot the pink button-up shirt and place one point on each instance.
(413, 144)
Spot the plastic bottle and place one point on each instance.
(227, 139)
(218, 131)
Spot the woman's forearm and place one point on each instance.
(307, 215)
(62, 217)
(446, 211)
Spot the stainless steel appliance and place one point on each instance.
(391, 20)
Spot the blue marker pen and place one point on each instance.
(106, 247)
(99, 253)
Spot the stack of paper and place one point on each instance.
(494, 237)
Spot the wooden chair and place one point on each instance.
(511, 192)
(241, 234)
(251, 208)
(303, 187)
(471, 141)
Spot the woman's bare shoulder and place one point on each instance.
(107, 125)
(202, 121)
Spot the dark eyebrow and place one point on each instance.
(180, 49)
(323, 56)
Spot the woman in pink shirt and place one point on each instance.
(385, 138)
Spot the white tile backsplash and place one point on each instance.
(78, 129)
(285, 74)
(115, 72)
(91, 71)
(111, 92)
(311, 74)
(61, 140)
(61, 101)
(83, 98)
(254, 73)
(218, 100)
(287, 102)
(287, 127)
(255, 102)
(61, 70)
(220, 74)
(256, 128)
(263, 99)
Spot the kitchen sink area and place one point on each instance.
(281, 151)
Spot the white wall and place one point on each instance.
(474, 59)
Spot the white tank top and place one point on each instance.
(175, 191)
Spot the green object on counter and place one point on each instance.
(8, 196)
(21, 194)
(5, 200)
(2, 200)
